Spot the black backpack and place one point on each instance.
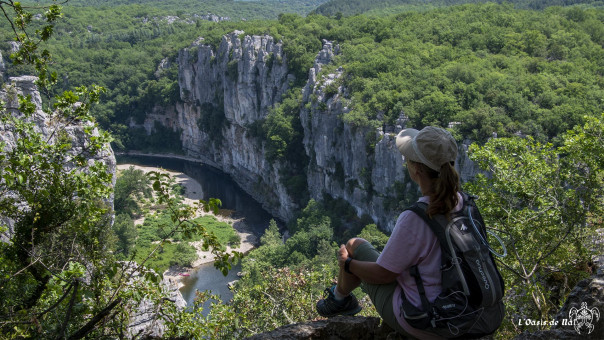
(470, 304)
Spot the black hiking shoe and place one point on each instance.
(329, 306)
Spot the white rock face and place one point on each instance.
(14, 46)
(45, 125)
(243, 78)
(358, 164)
(249, 75)
(2, 66)
(146, 322)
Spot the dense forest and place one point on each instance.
(231, 9)
(353, 7)
(531, 77)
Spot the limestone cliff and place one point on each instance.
(234, 85)
(227, 89)
(26, 86)
(359, 164)
(2, 68)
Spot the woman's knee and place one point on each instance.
(353, 244)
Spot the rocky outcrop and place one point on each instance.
(46, 125)
(249, 75)
(340, 327)
(211, 17)
(147, 322)
(233, 86)
(2, 67)
(24, 86)
(357, 163)
(586, 297)
(164, 64)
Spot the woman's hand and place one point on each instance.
(342, 256)
(369, 272)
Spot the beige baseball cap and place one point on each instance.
(432, 146)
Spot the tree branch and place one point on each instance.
(24, 268)
(10, 21)
(509, 268)
(89, 326)
(69, 310)
(58, 301)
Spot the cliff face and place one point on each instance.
(236, 85)
(358, 164)
(25, 86)
(44, 124)
(249, 75)
(2, 67)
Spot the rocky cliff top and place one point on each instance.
(246, 75)
(340, 327)
(223, 91)
(44, 124)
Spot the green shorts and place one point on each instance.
(381, 295)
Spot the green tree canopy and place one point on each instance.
(546, 202)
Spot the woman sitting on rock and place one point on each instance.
(429, 155)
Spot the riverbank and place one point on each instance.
(193, 193)
(200, 159)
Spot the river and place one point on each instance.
(214, 184)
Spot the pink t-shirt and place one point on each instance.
(412, 242)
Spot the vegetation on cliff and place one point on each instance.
(546, 202)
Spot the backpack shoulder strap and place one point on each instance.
(438, 229)
(437, 224)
